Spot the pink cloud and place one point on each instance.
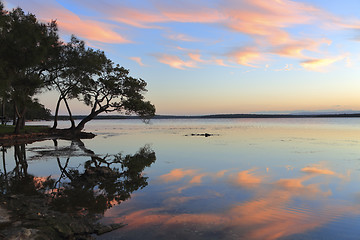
(177, 174)
(246, 56)
(317, 170)
(321, 65)
(138, 60)
(246, 178)
(296, 48)
(271, 214)
(196, 57)
(197, 179)
(175, 61)
(267, 23)
(136, 17)
(72, 23)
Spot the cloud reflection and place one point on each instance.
(271, 213)
(177, 174)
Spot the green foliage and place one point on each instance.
(9, 129)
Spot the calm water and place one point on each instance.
(254, 179)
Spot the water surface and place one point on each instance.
(254, 179)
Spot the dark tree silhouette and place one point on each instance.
(89, 76)
(114, 90)
(75, 64)
(103, 182)
(25, 46)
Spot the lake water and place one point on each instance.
(253, 179)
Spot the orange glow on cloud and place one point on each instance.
(138, 60)
(177, 174)
(317, 170)
(246, 178)
(176, 62)
(267, 23)
(196, 57)
(197, 179)
(267, 18)
(321, 65)
(192, 14)
(296, 48)
(91, 30)
(246, 57)
(74, 24)
(136, 18)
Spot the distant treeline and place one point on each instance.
(214, 116)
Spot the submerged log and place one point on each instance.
(202, 135)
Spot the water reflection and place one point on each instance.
(82, 192)
(274, 209)
(258, 179)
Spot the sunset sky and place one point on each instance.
(222, 56)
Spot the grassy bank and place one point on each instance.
(9, 129)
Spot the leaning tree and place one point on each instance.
(112, 89)
(89, 76)
(74, 65)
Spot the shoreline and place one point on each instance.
(219, 116)
(8, 140)
(31, 217)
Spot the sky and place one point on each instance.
(221, 56)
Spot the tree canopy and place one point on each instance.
(26, 46)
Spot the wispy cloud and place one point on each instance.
(182, 37)
(271, 213)
(296, 48)
(175, 61)
(317, 170)
(247, 56)
(246, 178)
(138, 60)
(267, 24)
(71, 23)
(321, 65)
(177, 174)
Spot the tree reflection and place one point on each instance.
(18, 181)
(103, 182)
(85, 191)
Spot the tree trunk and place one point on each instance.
(57, 112)
(70, 115)
(88, 118)
(3, 149)
(3, 121)
(18, 125)
(21, 162)
(15, 114)
(17, 119)
(20, 122)
(23, 118)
